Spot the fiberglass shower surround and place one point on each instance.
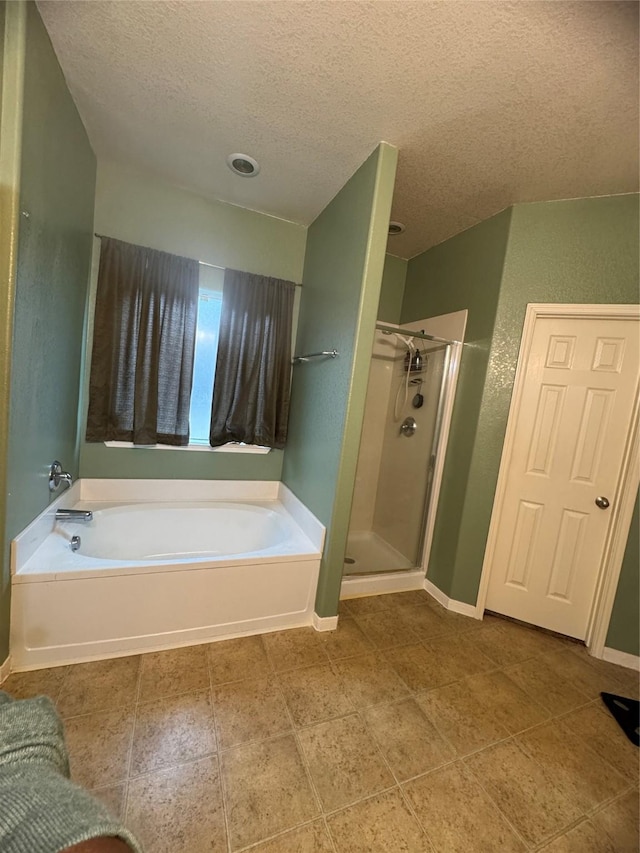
(414, 360)
(400, 438)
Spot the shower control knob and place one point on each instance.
(408, 427)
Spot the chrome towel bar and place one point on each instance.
(299, 359)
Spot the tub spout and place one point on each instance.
(74, 515)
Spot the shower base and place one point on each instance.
(371, 555)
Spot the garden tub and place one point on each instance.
(216, 560)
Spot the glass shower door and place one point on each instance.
(397, 452)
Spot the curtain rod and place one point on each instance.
(216, 267)
(202, 263)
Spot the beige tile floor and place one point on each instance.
(409, 729)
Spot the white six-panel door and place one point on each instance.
(572, 423)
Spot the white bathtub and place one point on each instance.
(237, 558)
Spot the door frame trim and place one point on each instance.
(626, 488)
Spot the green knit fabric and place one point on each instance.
(41, 810)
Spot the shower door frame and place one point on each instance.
(446, 401)
(441, 439)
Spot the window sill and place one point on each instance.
(225, 448)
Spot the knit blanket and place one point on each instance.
(41, 810)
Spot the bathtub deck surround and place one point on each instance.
(162, 564)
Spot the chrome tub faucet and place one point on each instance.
(74, 515)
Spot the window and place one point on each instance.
(159, 322)
(143, 346)
(204, 365)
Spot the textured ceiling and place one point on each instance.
(490, 103)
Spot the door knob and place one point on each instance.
(602, 503)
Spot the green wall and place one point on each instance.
(394, 277)
(579, 251)
(57, 182)
(12, 47)
(463, 272)
(624, 628)
(341, 290)
(585, 250)
(135, 207)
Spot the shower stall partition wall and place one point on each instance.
(408, 410)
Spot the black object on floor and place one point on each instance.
(626, 713)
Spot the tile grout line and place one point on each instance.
(301, 753)
(389, 789)
(447, 742)
(294, 731)
(125, 802)
(631, 789)
(565, 828)
(63, 680)
(323, 812)
(398, 784)
(543, 845)
(173, 696)
(403, 795)
(492, 800)
(406, 800)
(382, 650)
(223, 797)
(307, 768)
(584, 744)
(327, 829)
(110, 709)
(163, 768)
(418, 694)
(491, 670)
(277, 835)
(274, 674)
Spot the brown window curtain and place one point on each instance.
(143, 346)
(253, 370)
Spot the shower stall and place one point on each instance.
(407, 414)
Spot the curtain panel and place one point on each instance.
(253, 370)
(143, 346)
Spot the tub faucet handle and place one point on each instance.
(57, 476)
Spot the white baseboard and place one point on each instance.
(436, 593)
(621, 658)
(450, 603)
(5, 669)
(324, 623)
(356, 585)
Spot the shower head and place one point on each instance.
(407, 340)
